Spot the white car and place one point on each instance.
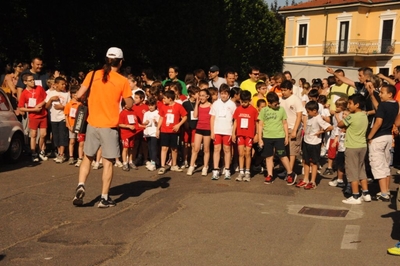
(11, 131)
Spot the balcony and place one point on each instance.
(359, 48)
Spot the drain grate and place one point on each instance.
(323, 212)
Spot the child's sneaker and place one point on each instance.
(227, 174)
(246, 177)
(352, 201)
(204, 171)
(42, 156)
(35, 157)
(190, 170)
(78, 162)
(125, 167)
(176, 168)
(366, 197)
(291, 179)
(133, 166)
(71, 161)
(268, 180)
(301, 183)
(337, 183)
(215, 175)
(118, 164)
(239, 178)
(310, 185)
(96, 166)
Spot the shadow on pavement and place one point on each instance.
(395, 234)
(2, 256)
(133, 189)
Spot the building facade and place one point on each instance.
(344, 33)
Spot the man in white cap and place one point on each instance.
(107, 88)
(214, 79)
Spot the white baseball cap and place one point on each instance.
(114, 52)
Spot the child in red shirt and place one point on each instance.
(172, 117)
(142, 148)
(243, 132)
(129, 125)
(32, 100)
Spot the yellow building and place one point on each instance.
(347, 33)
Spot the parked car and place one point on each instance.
(11, 131)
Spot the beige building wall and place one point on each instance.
(365, 23)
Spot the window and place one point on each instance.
(302, 34)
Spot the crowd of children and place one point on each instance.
(169, 130)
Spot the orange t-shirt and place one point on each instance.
(104, 98)
(70, 111)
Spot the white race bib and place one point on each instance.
(244, 123)
(31, 102)
(131, 119)
(191, 115)
(170, 118)
(72, 112)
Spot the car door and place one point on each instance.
(6, 114)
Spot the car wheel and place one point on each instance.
(15, 150)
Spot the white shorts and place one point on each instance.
(379, 156)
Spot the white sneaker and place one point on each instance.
(239, 178)
(176, 168)
(96, 166)
(42, 156)
(204, 171)
(190, 170)
(118, 164)
(366, 198)
(333, 183)
(215, 175)
(78, 163)
(227, 174)
(246, 177)
(352, 200)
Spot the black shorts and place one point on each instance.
(203, 132)
(274, 147)
(169, 140)
(311, 153)
(340, 160)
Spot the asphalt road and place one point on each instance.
(175, 219)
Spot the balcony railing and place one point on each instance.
(359, 47)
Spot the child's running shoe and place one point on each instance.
(227, 174)
(268, 180)
(246, 177)
(301, 183)
(215, 175)
(395, 250)
(310, 185)
(291, 179)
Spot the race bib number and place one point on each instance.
(222, 113)
(72, 112)
(244, 123)
(131, 119)
(170, 118)
(31, 102)
(191, 115)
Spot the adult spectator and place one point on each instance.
(10, 81)
(147, 76)
(173, 72)
(230, 78)
(395, 81)
(296, 90)
(338, 90)
(213, 79)
(105, 93)
(250, 83)
(40, 78)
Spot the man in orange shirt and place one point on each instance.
(105, 93)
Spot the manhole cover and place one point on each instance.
(323, 212)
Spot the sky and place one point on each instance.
(281, 2)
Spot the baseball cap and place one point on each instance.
(114, 52)
(214, 68)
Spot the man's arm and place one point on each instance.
(342, 78)
(389, 80)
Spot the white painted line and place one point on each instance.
(350, 237)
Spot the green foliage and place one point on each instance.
(74, 35)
